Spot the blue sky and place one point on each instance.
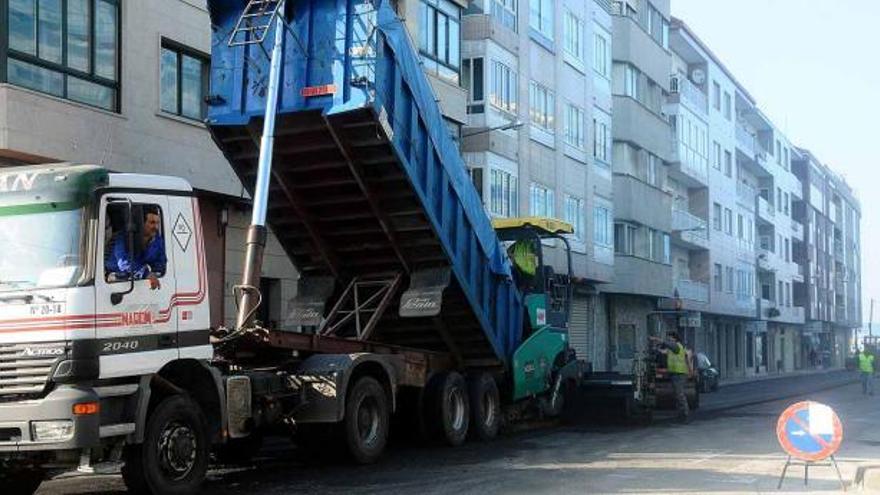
(813, 66)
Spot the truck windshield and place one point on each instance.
(40, 249)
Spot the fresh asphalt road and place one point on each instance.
(727, 449)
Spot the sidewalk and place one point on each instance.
(774, 387)
(775, 376)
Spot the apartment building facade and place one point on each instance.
(641, 152)
(538, 134)
(830, 257)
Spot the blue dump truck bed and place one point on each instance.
(366, 179)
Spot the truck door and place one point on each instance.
(137, 334)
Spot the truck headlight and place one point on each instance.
(52, 431)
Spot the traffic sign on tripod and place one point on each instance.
(809, 432)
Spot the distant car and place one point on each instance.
(708, 381)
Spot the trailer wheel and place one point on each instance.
(366, 420)
(448, 407)
(21, 482)
(485, 404)
(173, 458)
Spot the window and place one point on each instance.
(505, 12)
(787, 251)
(541, 17)
(503, 93)
(728, 163)
(601, 54)
(667, 249)
(574, 36)
(473, 82)
(716, 216)
(542, 106)
(740, 226)
(625, 238)
(728, 221)
(728, 274)
(119, 262)
(631, 82)
(780, 296)
(717, 278)
(600, 140)
(716, 155)
(602, 226)
(785, 203)
(66, 48)
(574, 126)
(653, 251)
(728, 114)
(716, 96)
(574, 214)
(183, 81)
(541, 201)
(778, 199)
(439, 37)
(778, 153)
(652, 166)
(502, 193)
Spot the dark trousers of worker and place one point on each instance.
(867, 383)
(681, 404)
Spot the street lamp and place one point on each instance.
(516, 124)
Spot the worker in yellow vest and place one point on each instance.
(678, 368)
(866, 370)
(522, 252)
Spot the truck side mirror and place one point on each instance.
(130, 231)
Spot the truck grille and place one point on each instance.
(25, 367)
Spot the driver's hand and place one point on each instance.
(154, 282)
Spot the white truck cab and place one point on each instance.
(104, 320)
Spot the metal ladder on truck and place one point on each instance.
(252, 28)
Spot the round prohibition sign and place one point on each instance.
(809, 431)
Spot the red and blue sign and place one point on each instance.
(809, 431)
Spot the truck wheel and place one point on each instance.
(173, 458)
(366, 420)
(485, 405)
(448, 408)
(21, 482)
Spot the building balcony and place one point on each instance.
(689, 230)
(797, 231)
(763, 260)
(485, 26)
(681, 90)
(765, 211)
(746, 195)
(692, 290)
(635, 123)
(687, 167)
(638, 201)
(838, 250)
(635, 275)
(798, 275)
(746, 141)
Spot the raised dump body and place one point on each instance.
(367, 183)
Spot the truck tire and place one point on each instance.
(448, 409)
(21, 482)
(173, 458)
(485, 405)
(366, 422)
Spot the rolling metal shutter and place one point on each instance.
(579, 328)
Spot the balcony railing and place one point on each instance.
(605, 4)
(682, 86)
(746, 194)
(746, 141)
(692, 290)
(685, 220)
(797, 230)
(765, 209)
